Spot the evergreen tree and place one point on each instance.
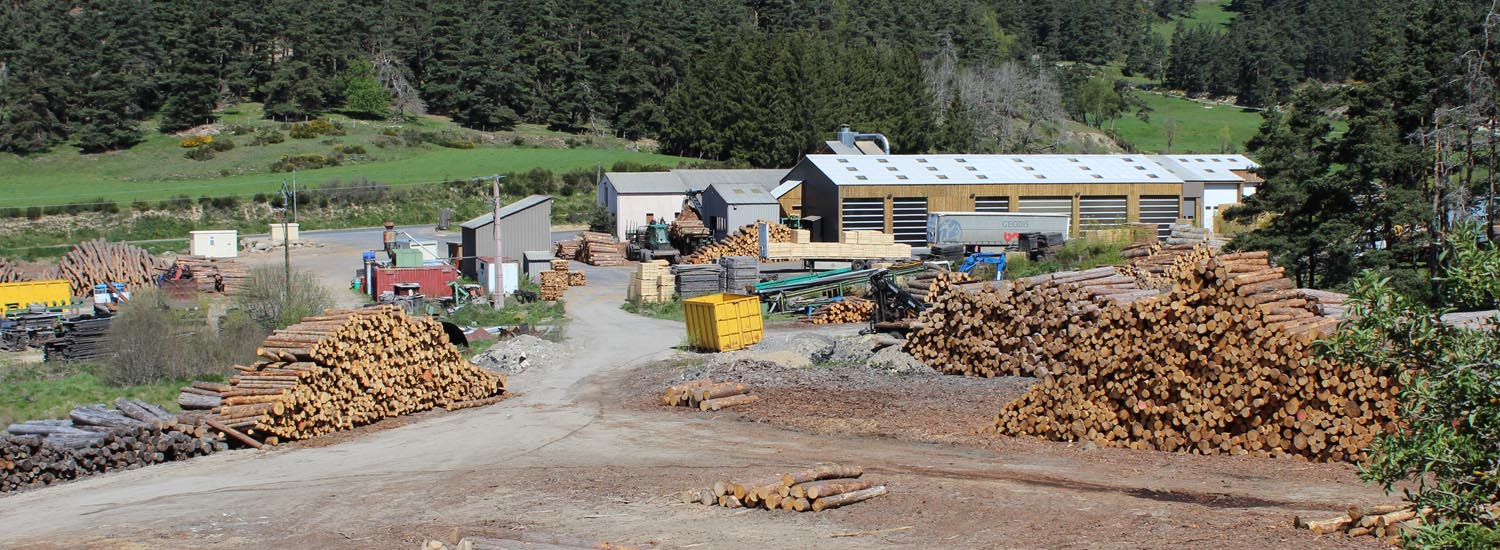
(363, 96)
(35, 85)
(188, 76)
(113, 38)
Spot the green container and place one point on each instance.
(408, 258)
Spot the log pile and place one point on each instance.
(81, 339)
(94, 440)
(566, 249)
(744, 242)
(222, 275)
(9, 273)
(98, 261)
(706, 395)
(1223, 363)
(821, 487)
(555, 282)
(577, 278)
(341, 370)
(939, 284)
(849, 310)
(1165, 265)
(1388, 522)
(1021, 327)
(600, 249)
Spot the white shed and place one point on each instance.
(215, 244)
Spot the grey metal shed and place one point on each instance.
(729, 206)
(525, 224)
(535, 262)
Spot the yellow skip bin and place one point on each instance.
(46, 293)
(723, 322)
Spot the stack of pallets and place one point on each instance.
(651, 283)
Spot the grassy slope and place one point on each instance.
(34, 392)
(156, 169)
(1199, 125)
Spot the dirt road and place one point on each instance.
(566, 456)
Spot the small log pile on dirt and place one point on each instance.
(1221, 364)
(706, 395)
(222, 275)
(9, 273)
(1022, 327)
(94, 440)
(1387, 522)
(82, 339)
(566, 249)
(600, 249)
(555, 282)
(815, 489)
(577, 278)
(851, 309)
(341, 370)
(744, 242)
(98, 261)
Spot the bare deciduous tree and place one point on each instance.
(1016, 109)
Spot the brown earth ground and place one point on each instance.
(580, 451)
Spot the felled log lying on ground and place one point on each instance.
(96, 439)
(1387, 522)
(9, 273)
(818, 488)
(706, 395)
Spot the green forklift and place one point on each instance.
(651, 243)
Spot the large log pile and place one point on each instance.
(851, 309)
(744, 242)
(1221, 363)
(706, 395)
(94, 440)
(600, 249)
(815, 489)
(9, 273)
(98, 261)
(340, 370)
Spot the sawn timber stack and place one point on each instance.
(340, 370)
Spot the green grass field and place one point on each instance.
(156, 168)
(44, 390)
(1201, 127)
(1212, 12)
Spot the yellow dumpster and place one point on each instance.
(55, 293)
(723, 322)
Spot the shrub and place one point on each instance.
(385, 141)
(200, 153)
(141, 205)
(239, 129)
(306, 162)
(221, 145)
(315, 128)
(34, 213)
(518, 141)
(263, 297)
(267, 137)
(153, 342)
(195, 141)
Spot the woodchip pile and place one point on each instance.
(97, 261)
(566, 249)
(651, 283)
(818, 488)
(600, 249)
(744, 242)
(555, 282)
(1223, 363)
(223, 275)
(706, 395)
(340, 370)
(851, 309)
(9, 273)
(80, 339)
(1388, 523)
(93, 440)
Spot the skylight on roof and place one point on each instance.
(1084, 168)
(901, 177)
(1030, 168)
(982, 176)
(1209, 170)
(1041, 176)
(942, 177)
(892, 168)
(843, 161)
(961, 160)
(1098, 177)
(1072, 160)
(1128, 159)
(971, 168)
(852, 169)
(931, 168)
(883, 161)
(922, 160)
(861, 178)
(1141, 168)
(1218, 160)
(1017, 160)
(1152, 176)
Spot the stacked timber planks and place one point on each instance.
(600, 249)
(1386, 522)
(851, 309)
(697, 280)
(706, 395)
(566, 249)
(744, 242)
(741, 273)
(341, 370)
(98, 261)
(821, 487)
(577, 278)
(9, 273)
(80, 339)
(96, 439)
(1223, 363)
(555, 282)
(651, 283)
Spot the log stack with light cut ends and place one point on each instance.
(706, 395)
(1386, 522)
(821, 487)
(744, 242)
(94, 262)
(566, 249)
(555, 282)
(340, 370)
(600, 249)
(9, 273)
(222, 275)
(851, 309)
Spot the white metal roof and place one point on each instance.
(990, 169)
(682, 181)
(785, 187)
(742, 193)
(1208, 168)
(645, 183)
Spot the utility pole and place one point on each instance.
(294, 195)
(286, 243)
(498, 301)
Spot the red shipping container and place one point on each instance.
(433, 279)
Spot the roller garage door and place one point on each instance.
(1160, 211)
(1101, 212)
(909, 220)
(862, 215)
(992, 204)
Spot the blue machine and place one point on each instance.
(985, 258)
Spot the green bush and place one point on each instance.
(222, 144)
(200, 153)
(268, 137)
(306, 162)
(316, 128)
(153, 342)
(263, 297)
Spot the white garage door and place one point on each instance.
(1101, 212)
(863, 215)
(1217, 196)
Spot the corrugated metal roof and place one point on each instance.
(838, 148)
(645, 183)
(990, 169)
(743, 193)
(506, 211)
(1209, 168)
(682, 181)
(785, 187)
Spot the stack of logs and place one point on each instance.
(555, 281)
(9, 273)
(341, 370)
(1386, 522)
(818, 488)
(744, 242)
(940, 283)
(577, 278)
(688, 226)
(1221, 363)
(223, 275)
(566, 249)
(1164, 266)
(706, 395)
(94, 440)
(851, 309)
(601, 249)
(97, 261)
